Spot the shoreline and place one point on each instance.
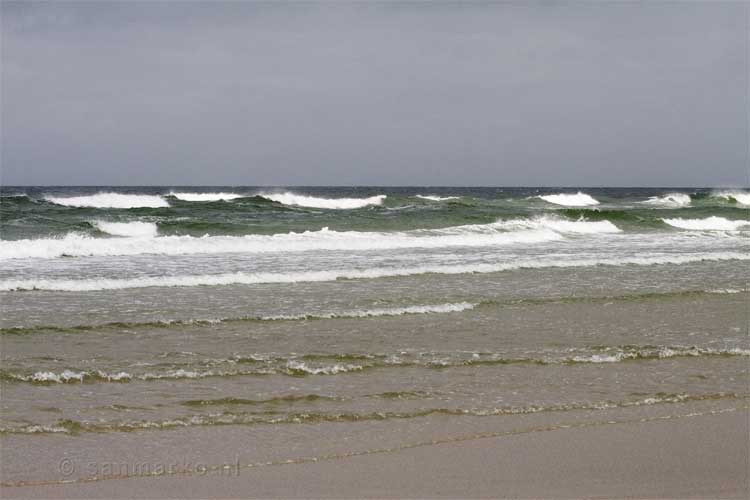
(701, 453)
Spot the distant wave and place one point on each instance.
(240, 278)
(672, 200)
(708, 224)
(437, 198)
(570, 200)
(206, 196)
(331, 203)
(740, 197)
(129, 229)
(111, 200)
(528, 231)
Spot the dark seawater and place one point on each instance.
(149, 309)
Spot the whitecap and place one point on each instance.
(438, 198)
(331, 203)
(128, 229)
(206, 196)
(741, 197)
(578, 199)
(111, 200)
(671, 200)
(708, 224)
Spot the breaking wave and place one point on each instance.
(517, 231)
(740, 197)
(127, 229)
(239, 278)
(578, 199)
(708, 224)
(205, 196)
(437, 198)
(111, 200)
(672, 200)
(330, 203)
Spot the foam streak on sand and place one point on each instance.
(111, 200)
(87, 285)
(329, 203)
(578, 199)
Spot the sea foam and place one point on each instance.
(111, 200)
(515, 231)
(708, 224)
(206, 196)
(672, 200)
(330, 203)
(740, 197)
(437, 198)
(578, 199)
(520, 231)
(242, 278)
(128, 229)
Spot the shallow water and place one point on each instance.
(248, 306)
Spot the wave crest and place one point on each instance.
(437, 198)
(672, 200)
(87, 285)
(127, 229)
(740, 197)
(111, 200)
(708, 224)
(329, 203)
(206, 196)
(578, 199)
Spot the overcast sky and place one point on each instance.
(555, 94)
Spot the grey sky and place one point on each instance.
(246, 93)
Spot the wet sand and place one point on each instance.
(679, 451)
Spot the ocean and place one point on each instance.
(150, 309)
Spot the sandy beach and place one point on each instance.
(368, 249)
(697, 450)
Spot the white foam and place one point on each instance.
(438, 198)
(86, 285)
(62, 377)
(111, 200)
(708, 224)
(77, 245)
(740, 197)
(205, 196)
(516, 231)
(300, 366)
(560, 225)
(394, 311)
(129, 229)
(578, 199)
(332, 203)
(672, 200)
(661, 352)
